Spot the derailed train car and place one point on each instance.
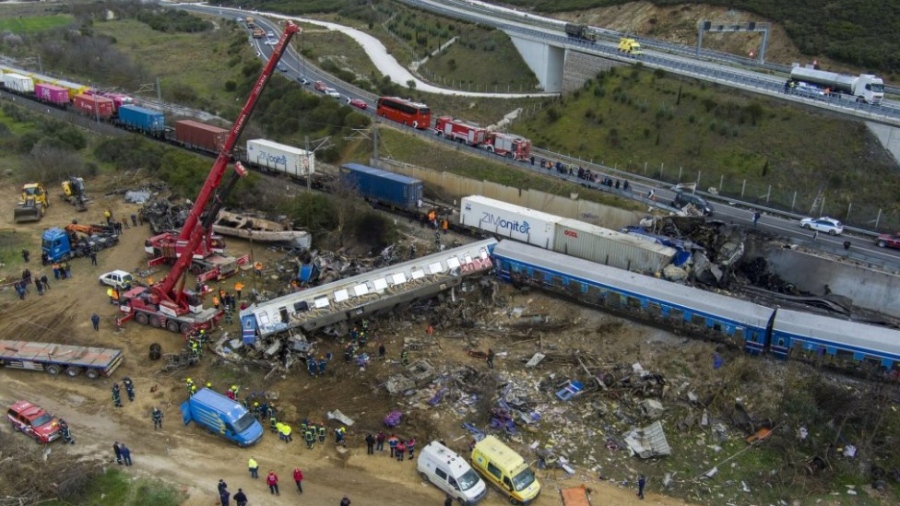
(757, 329)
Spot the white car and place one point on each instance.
(331, 92)
(118, 279)
(825, 224)
(270, 35)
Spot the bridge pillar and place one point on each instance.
(545, 60)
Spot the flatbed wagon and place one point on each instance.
(58, 358)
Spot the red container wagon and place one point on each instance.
(194, 134)
(51, 94)
(94, 106)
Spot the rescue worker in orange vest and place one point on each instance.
(258, 267)
(216, 301)
(238, 286)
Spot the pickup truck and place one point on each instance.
(888, 241)
(33, 421)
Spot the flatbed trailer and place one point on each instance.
(56, 358)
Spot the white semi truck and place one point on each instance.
(864, 87)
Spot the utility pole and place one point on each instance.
(158, 91)
(375, 141)
(308, 166)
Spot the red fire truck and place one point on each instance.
(508, 145)
(460, 131)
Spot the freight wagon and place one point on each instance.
(51, 94)
(563, 235)
(281, 158)
(94, 106)
(387, 188)
(508, 220)
(143, 120)
(195, 135)
(18, 83)
(57, 358)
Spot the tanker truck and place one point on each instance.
(863, 88)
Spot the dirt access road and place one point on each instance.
(187, 456)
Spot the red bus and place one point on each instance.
(403, 111)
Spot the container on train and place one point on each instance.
(508, 220)
(94, 106)
(139, 118)
(281, 157)
(18, 83)
(383, 186)
(194, 134)
(608, 247)
(52, 94)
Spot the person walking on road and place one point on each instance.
(93, 257)
(272, 482)
(95, 320)
(379, 441)
(254, 471)
(222, 486)
(129, 388)
(116, 396)
(240, 498)
(642, 482)
(298, 479)
(118, 451)
(370, 444)
(225, 496)
(756, 215)
(490, 359)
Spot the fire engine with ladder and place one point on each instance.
(504, 144)
(168, 304)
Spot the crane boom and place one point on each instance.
(190, 231)
(221, 164)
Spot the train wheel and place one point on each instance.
(141, 318)
(73, 371)
(92, 373)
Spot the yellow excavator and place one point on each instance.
(73, 193)
(33, 204)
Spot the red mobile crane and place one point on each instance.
(177, 309)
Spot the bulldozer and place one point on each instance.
(73, 193)
(33, 204)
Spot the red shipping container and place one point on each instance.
(194, 134)
(94, 106)
(53, 94)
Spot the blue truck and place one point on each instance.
(223, 416)
(143, 120)
(60, 245)
(383, 187)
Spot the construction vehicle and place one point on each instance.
(168, 304)
(460, 131)
(258, 33)
(73, 193)
(580, 32)
(629, 46)
(33, 204)
(60, 245)
(508, 145)
(57, 358)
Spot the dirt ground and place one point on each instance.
(193, 459)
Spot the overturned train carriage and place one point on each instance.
(757, 329)
(372, 292)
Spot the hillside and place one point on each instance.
(857, 33)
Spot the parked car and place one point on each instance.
(33, 421)
(117, 279)
(888, 240)
(682, 199)
(825, 224)
(333, 93)
(358, 103)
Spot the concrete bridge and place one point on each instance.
(559, 66)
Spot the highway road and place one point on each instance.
(773, 221)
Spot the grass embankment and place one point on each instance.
(116, 488)
(25, 25)
(682, 130)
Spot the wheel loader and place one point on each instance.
(33, 203)
(73, 193)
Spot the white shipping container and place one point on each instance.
(509, 220)
(609, 247)
(281, 157)
(18, 83)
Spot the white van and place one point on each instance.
(451, 473)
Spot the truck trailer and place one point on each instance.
(581, 32)
(282, 158)
(56, 358)
(384, 187)
(863, 88)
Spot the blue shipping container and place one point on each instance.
(383, 186)
(145, 120)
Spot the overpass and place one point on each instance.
(558, 65)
